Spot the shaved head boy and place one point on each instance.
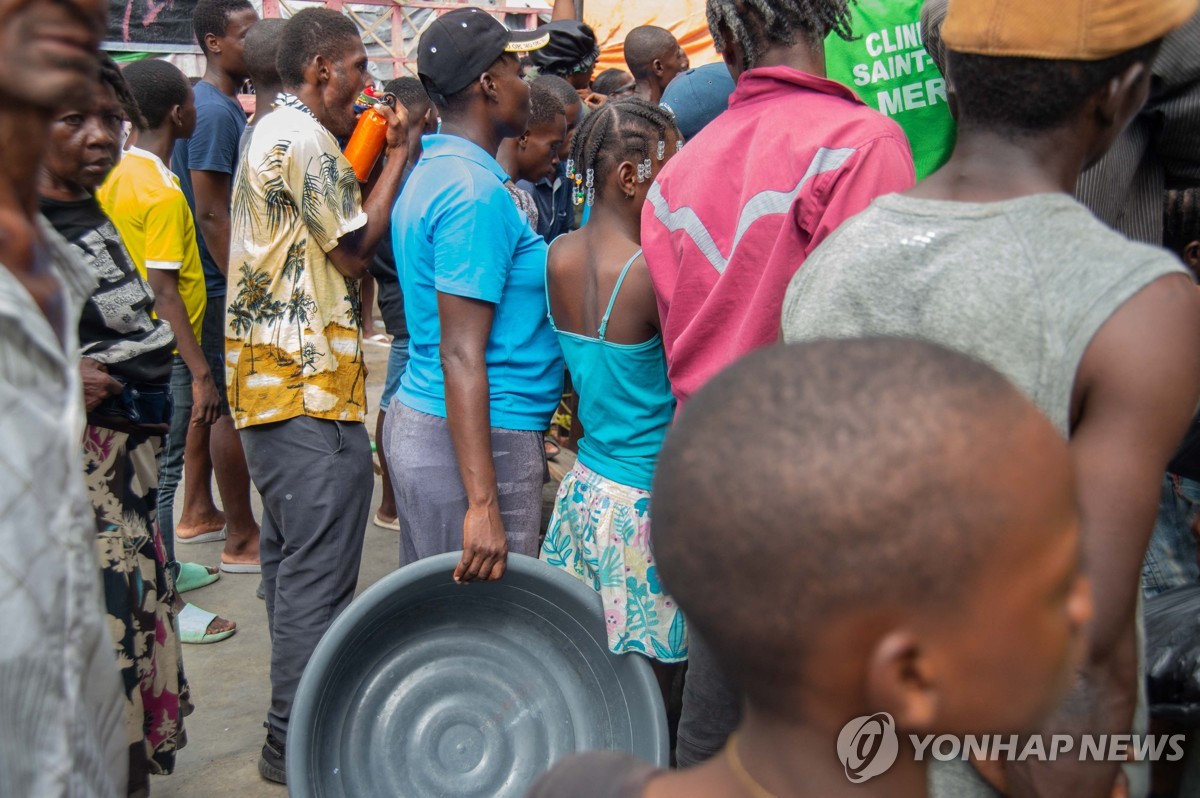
(654, 58)
(880, 565)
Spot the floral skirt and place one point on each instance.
(600, 532)
(121, 472)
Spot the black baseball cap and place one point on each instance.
(460, 45)
(572, 48)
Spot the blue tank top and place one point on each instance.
(625, 399)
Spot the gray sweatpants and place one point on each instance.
(430, 498)
(316, 482)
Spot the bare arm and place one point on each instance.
(1135, 393)
(355, 250)
(168, 304)
(563, 9)
(466, 325)
(213, 192)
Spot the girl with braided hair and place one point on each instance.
(602, 307)
(1181, 226)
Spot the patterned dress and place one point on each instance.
(121, 473)
(600, 531)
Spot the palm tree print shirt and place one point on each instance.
(293, 322)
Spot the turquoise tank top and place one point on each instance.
(625, 399)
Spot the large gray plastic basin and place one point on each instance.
(424, 688)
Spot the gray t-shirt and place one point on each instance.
(1022, 284)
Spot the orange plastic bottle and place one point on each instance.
(367, 142)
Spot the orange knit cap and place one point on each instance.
(1074, 30)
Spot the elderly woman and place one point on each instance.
(126, 366)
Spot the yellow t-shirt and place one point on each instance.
(144, 201)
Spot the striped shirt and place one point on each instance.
(1161, 146)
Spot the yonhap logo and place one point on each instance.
(868, 746)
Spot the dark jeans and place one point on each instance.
(171, 462)
(316, 480)
(711, 707)
(212, 344)
(1171, 557)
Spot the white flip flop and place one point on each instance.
(393, 525)
(204, 537)
(193, 626)
(241, 568)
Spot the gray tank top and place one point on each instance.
(1022, 284)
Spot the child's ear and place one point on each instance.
(177, 116)
(1191, 256)
(523, 140)
(627, 177)
(901, 681)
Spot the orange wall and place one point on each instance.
(613, 19)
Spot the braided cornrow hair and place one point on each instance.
(762, 23)
(110, 74)
(1181, 218)
(612, 133)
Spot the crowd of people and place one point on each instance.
(939, 256)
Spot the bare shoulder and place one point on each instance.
(566, 252)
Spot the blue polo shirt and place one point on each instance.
(456, 230)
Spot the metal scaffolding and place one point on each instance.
(392, 29)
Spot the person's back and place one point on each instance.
(625, 402)
(732, 218)
(1104, 335)
(1022, 284)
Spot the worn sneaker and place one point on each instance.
(272, 765)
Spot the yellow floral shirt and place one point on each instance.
(293, 322)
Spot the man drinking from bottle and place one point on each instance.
(302, 237)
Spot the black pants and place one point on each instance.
(711, 707)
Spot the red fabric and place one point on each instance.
(781, 124)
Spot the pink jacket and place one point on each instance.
(732, 217)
